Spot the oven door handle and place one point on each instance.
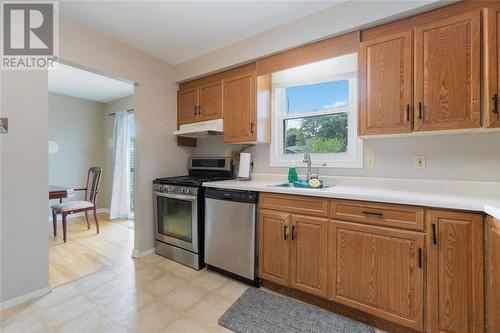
(176, 196)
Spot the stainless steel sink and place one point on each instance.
(290, 185)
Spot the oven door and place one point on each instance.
(176, 218)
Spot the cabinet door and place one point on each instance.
(274, 246)
(187, 103)
(385, 74)
(378, 270)
(239, 108)
(210, 101)
(492, 275)
(492, 70)
(455, 272)
(447, 73)
(309, 254)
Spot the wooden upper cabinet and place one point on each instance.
(492, 275)
(447, 73)
(210, 106)
(492, 69)
(309, 251)
(385, 84)
(240, 114)
(455, 272)
(378, 270)
(187, 105)
(274, 246)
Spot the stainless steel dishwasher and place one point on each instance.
(231, 233)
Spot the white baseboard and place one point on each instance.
(136, 254)
(23, 298)
(81, 214)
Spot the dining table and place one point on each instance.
(58, 192)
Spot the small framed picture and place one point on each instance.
(4, 125)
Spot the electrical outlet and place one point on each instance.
(370, 161)
(420, 162)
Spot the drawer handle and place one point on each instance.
(373, 214)
(419, 258)
(285, 232)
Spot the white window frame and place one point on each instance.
(352, 158)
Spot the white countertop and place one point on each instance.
(472, 196)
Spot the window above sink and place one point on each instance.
(317, 102)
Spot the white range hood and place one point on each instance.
(201, 129)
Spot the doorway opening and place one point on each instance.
(91, 172)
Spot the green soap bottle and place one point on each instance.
(292, 173)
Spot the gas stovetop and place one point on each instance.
(191, 181)
(201, 169)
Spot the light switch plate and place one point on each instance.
(420, 162)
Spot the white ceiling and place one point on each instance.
(177, 31)
(71, 81)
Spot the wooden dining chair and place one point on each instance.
(72, 207)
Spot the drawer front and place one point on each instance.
(389, 215)
(295, 204)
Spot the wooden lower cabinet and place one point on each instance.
(492, 275)
(378, 270)
(309, 252)
(274, 246)
(455, 298)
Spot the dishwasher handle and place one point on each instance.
(232, 195)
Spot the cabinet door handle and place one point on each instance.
(252, 125)
(293, 232)
(195, 110)
(420, 111)
(285, 232)
(434, 235)
(407, 112)
(373, 214)
(419, 258)
(495, 104)
(199, 109)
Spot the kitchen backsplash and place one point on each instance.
(471, 156)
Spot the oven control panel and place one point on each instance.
(175, 189)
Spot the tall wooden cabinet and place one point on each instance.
(378, 270)
(492, 69)
(492, 277)
(455, 298)
(247, 108)
(385, 83)
(447, 73)
(239, 100)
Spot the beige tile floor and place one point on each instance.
(152, 294)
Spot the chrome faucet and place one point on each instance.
(308, 161)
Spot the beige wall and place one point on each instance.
(24, 158)
(76, 125)
(24, 242)
(121, 104)
(344, 17)
(473, 156)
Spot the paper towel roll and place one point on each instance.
(244, 170)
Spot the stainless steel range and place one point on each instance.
(179, 210)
